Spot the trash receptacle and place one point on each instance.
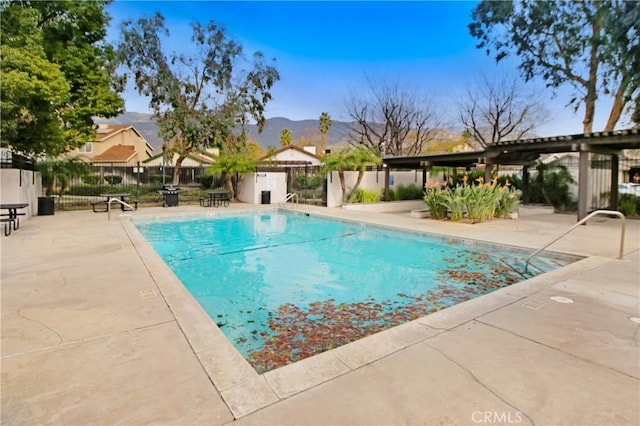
(266, 197)
(45, 206)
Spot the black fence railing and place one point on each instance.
(11, 160)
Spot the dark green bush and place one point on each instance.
(113, 179)
(409, 192)
(91, 179)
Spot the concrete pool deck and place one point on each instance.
(96, 330)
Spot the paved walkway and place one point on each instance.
(95, 331)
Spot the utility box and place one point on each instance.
(45, 206)
(266, 197)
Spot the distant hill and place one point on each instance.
(337, 135)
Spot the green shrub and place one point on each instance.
(365, 196)
(435, 198)
(113, 179)
(91, 179)
(473, 202)
(304, 181)
(628, 205)
(409, 192)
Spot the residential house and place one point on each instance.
(294, 156)
(194, 165)
(117, 146)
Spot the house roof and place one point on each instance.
(200, 157)
(525, 151)
(104, 132)
(116, 154)
(293, 147)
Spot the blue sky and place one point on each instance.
(326, 51)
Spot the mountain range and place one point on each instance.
(338, 133)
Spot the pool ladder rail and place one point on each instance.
(583, 220)
(291, 197)
(133, 209)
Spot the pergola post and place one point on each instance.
(583, 183)
(525, 184)
(615, 167)
(386, 182)
(488, 169)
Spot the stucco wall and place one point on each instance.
(251, 185)
(370, 180)
(21, 186)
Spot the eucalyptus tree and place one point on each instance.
(350, 159)
(199, 95)
(592, 46)
(57, 74)
(286, 137)
(392, 120)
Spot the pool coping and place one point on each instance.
(245, 391)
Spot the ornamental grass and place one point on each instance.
(473, 203)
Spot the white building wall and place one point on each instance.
(21, 186)
(251, 185)
(370, 180)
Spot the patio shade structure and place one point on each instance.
(524, 152)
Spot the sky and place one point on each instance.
(330, 51)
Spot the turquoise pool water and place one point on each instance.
(283, 286)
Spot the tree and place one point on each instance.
(590, 45)
(57, 74)
(392, 120)
(350, 159)
(60, 172)
(324, 125)
(231, 164)
(197, 98)
(500, 109)
(286, 137)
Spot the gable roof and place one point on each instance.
(116, 154)
(104, 132)
(292, 147)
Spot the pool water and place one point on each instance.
(283, 286)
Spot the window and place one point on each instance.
(87, 147)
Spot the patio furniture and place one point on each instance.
(12, 215)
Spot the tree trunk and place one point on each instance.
(177, 169)
(229, 183)
(343, 186)
(355, 187)
(616, 108)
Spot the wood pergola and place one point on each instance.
(524, 152)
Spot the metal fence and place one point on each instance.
(10, 160)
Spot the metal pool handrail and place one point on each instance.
(119, 201)
(291, 196)
(595, 213)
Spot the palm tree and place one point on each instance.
(286, 137)
(231, 164)
(350, 159)
(60, 172)
(325, 124)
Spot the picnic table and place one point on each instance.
(12, 218)
(107, 197)
(215, 198)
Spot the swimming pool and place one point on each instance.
(283, 286)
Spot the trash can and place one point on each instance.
(45, 206)
(266, 197)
